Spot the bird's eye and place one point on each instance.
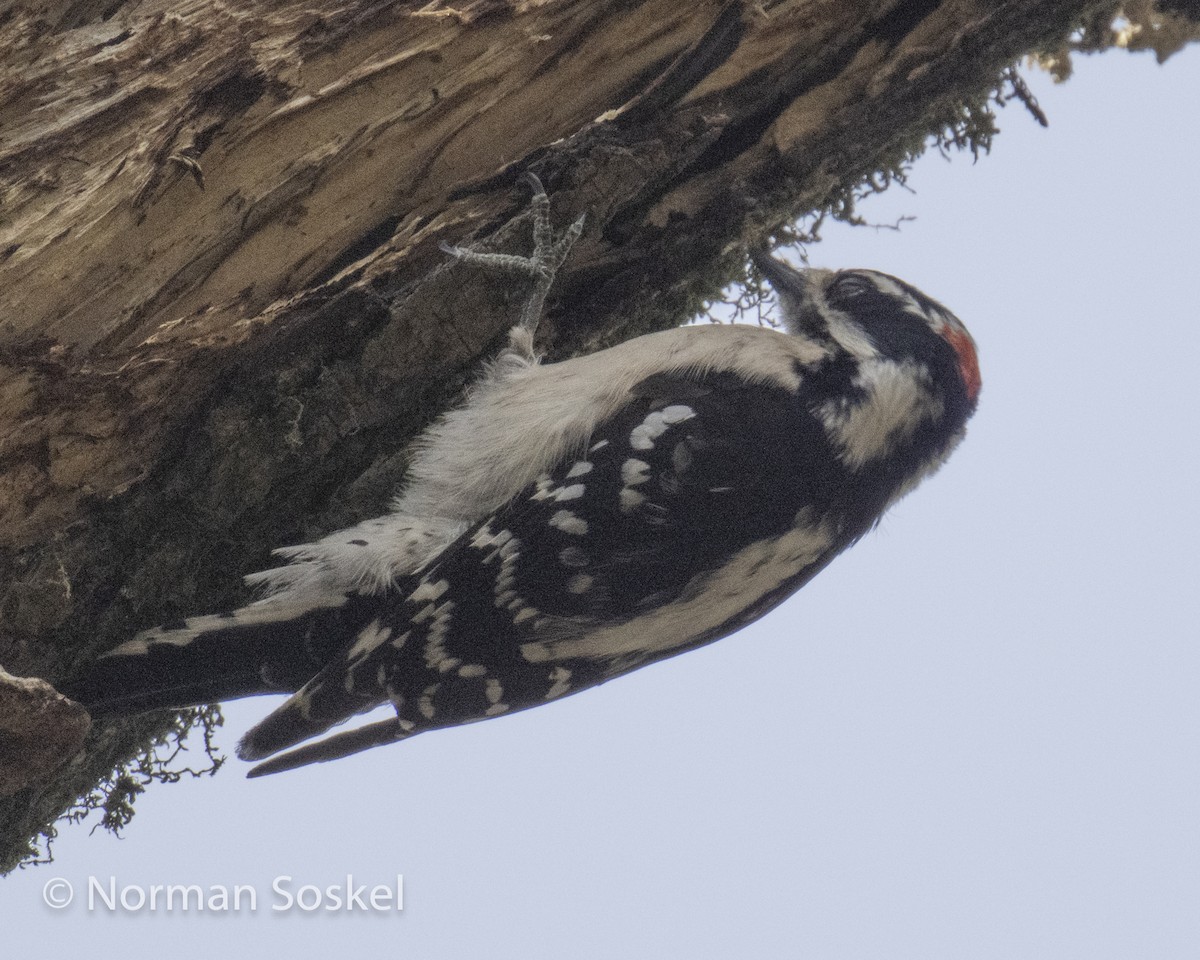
(850, 285)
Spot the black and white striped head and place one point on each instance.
(871, 314)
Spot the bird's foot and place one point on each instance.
(548, 255)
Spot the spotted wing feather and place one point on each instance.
(657, 502)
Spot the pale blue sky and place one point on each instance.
(976, 735)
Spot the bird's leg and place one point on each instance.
(548, 255)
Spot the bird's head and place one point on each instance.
(867, 314)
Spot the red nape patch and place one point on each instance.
(968, 360)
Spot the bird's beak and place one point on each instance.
(778, 272)
(795, 289)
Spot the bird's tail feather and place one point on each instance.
(263, 648)
(326, 700)
(332, 748)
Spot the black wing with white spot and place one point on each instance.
(667, 490)
(696, 486)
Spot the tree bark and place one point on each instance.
(223, 310)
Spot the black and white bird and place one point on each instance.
(574, 521)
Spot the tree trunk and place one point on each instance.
(223, 310)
